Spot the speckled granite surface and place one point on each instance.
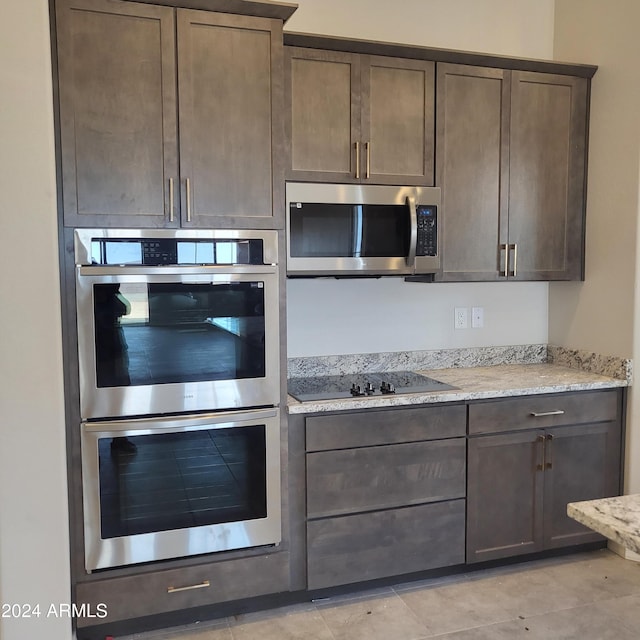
(615, 518)
(476, 383)
(416, 360)
(611, 366)
(594, 362)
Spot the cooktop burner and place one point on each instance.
(363, 385)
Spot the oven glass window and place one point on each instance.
(349, 231)
(174, 333)
(159, 482)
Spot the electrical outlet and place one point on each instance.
(461, 318)
(477, 317)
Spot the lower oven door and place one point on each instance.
(164, 488)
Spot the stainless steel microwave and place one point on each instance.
(351, 230)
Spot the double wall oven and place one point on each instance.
(178, 345)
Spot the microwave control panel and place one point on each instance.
(427, 244)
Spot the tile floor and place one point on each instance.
(587, 596)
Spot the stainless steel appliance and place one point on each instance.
(174, 321)
(179, 376)
(351, 230)
(158, 488)
(363, 384)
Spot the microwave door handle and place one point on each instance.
(413, 238)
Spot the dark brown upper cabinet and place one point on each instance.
(510, 159)
(472, 168)
(358, 118)
(169, 117)
(547, 176)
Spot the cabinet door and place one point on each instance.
(116, 66)
(581, 463)
(397, 121)
(547, 176)
(472, 169)
(504, 495)
(229, 119)
(322, 96)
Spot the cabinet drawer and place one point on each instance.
(370, 428)
(386, 543)
(533, 412)
(163, 591)
(369, 478)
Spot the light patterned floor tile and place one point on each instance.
(383, 617)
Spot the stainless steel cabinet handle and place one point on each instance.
(549, 452)
(200, 585)
(188, 186)
(505, 248)
(542, 414)
(540, 456)
(170, 199)
(514, 273)
(367, 147)
(357, 161)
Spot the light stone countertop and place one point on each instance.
(615, 518)
(475, 383)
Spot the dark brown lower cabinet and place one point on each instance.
(385, 493)
(504, 496)
(583, 463)
(519, 483)
(162, 591)
(377, 544)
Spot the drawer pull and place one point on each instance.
(201, 585)
(542, 414)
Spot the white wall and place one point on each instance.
(522, 28)
(34, 548)
(330, 317)
(603, 314)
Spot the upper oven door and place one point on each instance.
(176, 339)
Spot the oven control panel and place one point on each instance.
(159, 252)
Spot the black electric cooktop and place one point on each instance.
(362, 385)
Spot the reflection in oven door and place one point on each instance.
(171, 487)
(178, 332)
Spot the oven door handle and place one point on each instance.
(183, 421)
(196, 270)
(413, 233)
